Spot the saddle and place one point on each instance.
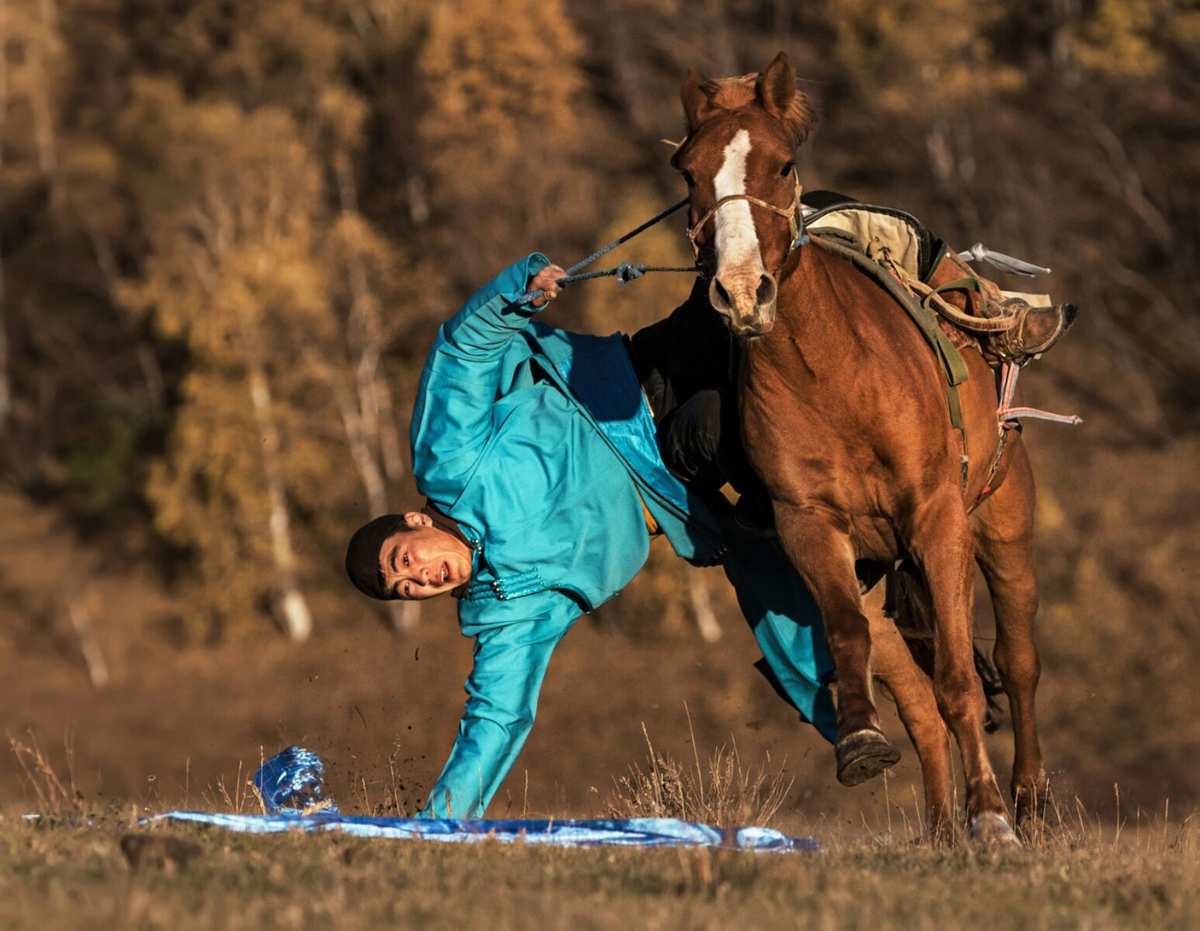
(952, 305)
(1005, 326)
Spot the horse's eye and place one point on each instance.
(786, 169)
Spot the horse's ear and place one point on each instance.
(777, 86)
(696, 105)
(778, 95)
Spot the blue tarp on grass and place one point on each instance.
(625, 832)
(292, 783)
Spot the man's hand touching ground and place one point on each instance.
(546, 281)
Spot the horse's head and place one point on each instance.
(737, 159)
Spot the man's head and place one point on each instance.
(407, 556)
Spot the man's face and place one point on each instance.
(423, 561)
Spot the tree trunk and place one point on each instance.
(403, 616)
(40, 101)
(373, 442)
(370, 431)
(89, 644)
(289, 600)
(5, 390)
(702, 609)
(391, 447)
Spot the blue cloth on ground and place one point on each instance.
(293, 781)
(624, 832)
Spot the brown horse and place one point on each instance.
(844, 418)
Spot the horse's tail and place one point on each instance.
(908, 604)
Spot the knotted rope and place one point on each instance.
(626, 271)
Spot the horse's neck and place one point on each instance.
(813, 286)
(832, 320)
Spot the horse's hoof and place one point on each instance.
(991, 829)
(863, 755)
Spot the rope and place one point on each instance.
(933, 296)
(624, 272)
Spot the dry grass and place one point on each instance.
(241, 797)
(723, 791)
(57, 796)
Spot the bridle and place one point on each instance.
(628, 271)
(791, 211)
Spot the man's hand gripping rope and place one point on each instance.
(545, 285)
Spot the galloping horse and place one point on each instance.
(844, 418)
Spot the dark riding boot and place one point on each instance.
(754, 514)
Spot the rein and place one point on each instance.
(626, 271)
(631, 271)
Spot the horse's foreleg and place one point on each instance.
(893, 663)
(822, 554)
(1003, 528)
(943, 549)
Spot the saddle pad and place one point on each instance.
(1033, 300)
(868, 228)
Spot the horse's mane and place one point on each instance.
(739, 91)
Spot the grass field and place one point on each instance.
(1081, 876)
(77, 865)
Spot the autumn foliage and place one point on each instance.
(228, 230)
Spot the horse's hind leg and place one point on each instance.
(1003, 529)
(893, 664)
(822, 554)
(943, 549)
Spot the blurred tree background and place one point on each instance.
(229, 230)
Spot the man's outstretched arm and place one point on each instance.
(502, 693)
(452, 416)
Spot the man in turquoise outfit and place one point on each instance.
(537, 454)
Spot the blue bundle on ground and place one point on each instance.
(291, 784)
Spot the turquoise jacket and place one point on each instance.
(539, 443)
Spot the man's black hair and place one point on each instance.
(362, 554)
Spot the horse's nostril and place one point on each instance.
(719, 297)
(766, 291)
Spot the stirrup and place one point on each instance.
(1036, 329)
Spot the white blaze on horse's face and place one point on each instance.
(737, 239)
(741, 289)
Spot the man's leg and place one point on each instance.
(683, 353)
(787, 625)
(700, 441)
(685, 363)
(689, 438)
